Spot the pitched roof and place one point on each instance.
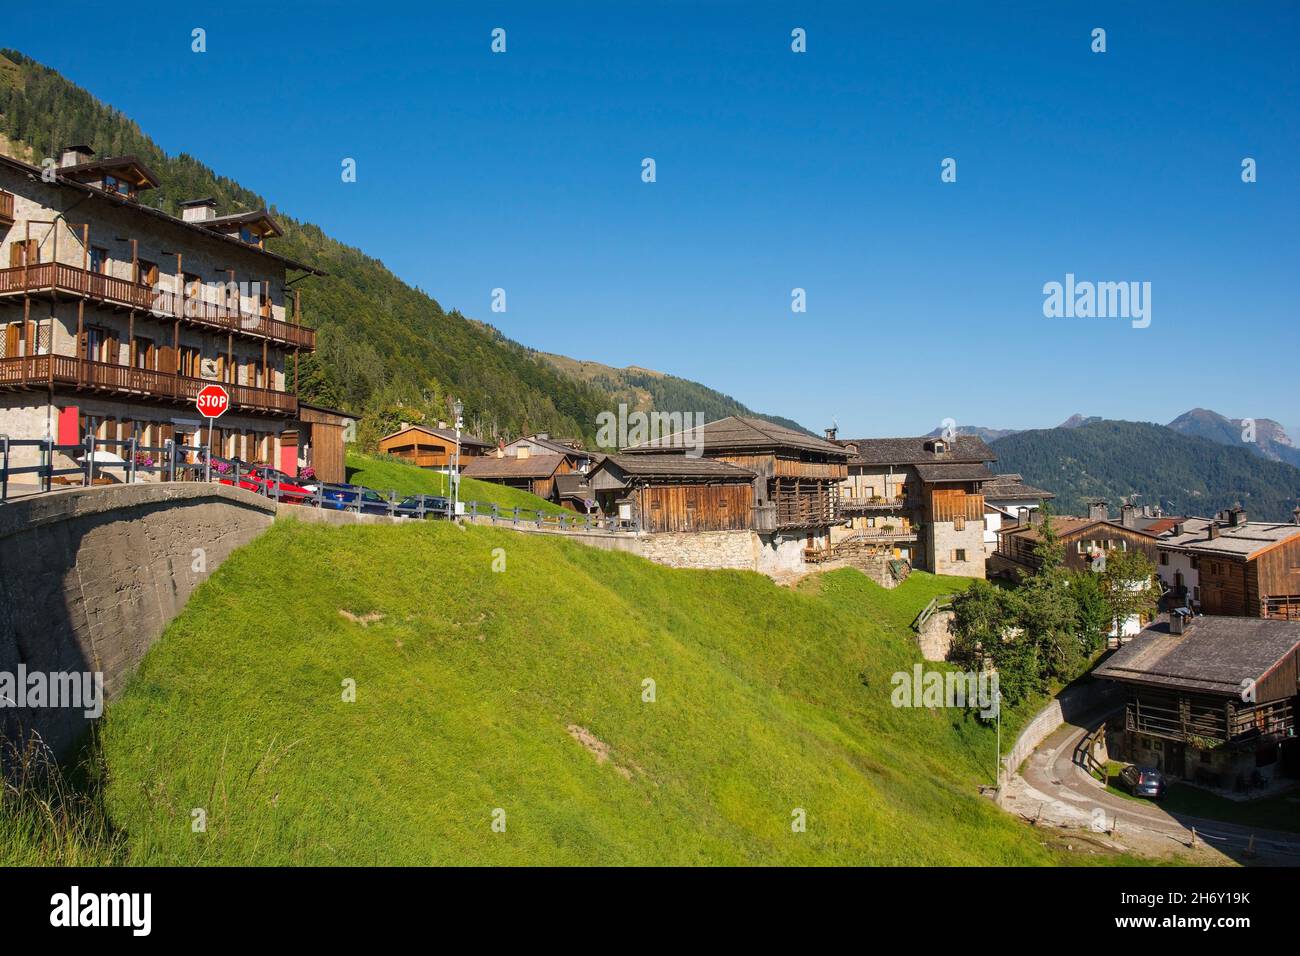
(674, 466)
(952, 471)
(446, 434)
(551, 445)
(573, 485)
(911, 451)
(534, 466)
(1068, 525)
(741, 433)
(1214, 654)
(1011, 487)
(1244, 541)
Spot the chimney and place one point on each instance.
(544, 436)
(1098, 511)
(75, 155)
(1237, 516)
(403, 426)
(199, 210)
(441, 423)
(1213, 530)
(1128, 516)
(832, 432)
(1179, 621)
(1176, 530)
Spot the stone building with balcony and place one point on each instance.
(919, 498)
(113, 314)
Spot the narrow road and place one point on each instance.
(1052, 773)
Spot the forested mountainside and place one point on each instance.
(1149, 465)
(386, 350)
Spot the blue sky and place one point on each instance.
(778, 170)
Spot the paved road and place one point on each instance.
(1051, 770)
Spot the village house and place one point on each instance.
(573, 491)
(113, 315)
(1085, 540)
(579, 460)
(1210, 699)
(1229, 565)
(654, 493)
(920, 497)
(428, 447)
(795, 479)
(535, 474)
(1007, 498)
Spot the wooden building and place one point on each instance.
(796, 479)
(572, 491)
(673, 493)
(319, 442)
(1212, 699)
(1086, 540)
(580, 460)
(429, 447)
(1229, 565)
(114, 314)
(921, 497)
(527, 472)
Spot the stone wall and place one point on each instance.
(935, 637)
(89, 578)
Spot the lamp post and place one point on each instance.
(458, 407)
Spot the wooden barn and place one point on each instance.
(796, 477)
(1211, 699)
(432, 447)
(532, 473)
(673, 492)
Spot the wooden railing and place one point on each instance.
(969, 507)
(113, 290)
(38, 370)
(6, 207)
(875, 503)
(1283, 607)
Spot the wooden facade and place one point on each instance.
(1082, 538)
(666, 493)
(532, 473)
(319, 441)
(427, 447)
(1265, 584)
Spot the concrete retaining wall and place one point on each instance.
(89, 578)
(1080, 700)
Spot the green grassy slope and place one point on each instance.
(469, 680)
(384, 474)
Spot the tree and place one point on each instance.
(1092, 613)
(1127, 586)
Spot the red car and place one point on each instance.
(266, 481)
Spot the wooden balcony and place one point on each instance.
(59, 278)
(951, 507)
(36, 371)
(6, 208)
(875, 505)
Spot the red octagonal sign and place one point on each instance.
(212, 401)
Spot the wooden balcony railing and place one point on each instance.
(112, 290)
(37, 370)
(969, 507)
(876, 503)
(1283, 607)
(6, 208)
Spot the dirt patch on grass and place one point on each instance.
(597, 747)
(365, 620)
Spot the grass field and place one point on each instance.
(384, 474)
(1278, 812)
(519, 696)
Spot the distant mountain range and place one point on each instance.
(1150, 464)
(643, 390)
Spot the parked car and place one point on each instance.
(435, 506)
(1143, 781)
(354, 498)
(269, 482)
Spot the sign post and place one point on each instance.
(213, 401)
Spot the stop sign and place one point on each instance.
(212, 401)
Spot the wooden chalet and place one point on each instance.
(1209, 698)
(796, 477)
(673, 492)
(580, 460)
(430, 447)
(1086, 540)
(527, 472)
(1229, 565)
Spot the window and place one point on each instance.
(145, 356)
(959, 554)
(24, 253)
(99, 260)
(1164, 558)
(148, 272)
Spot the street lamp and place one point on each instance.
(458, 407)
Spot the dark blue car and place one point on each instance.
(434, 506)
(354, 498)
